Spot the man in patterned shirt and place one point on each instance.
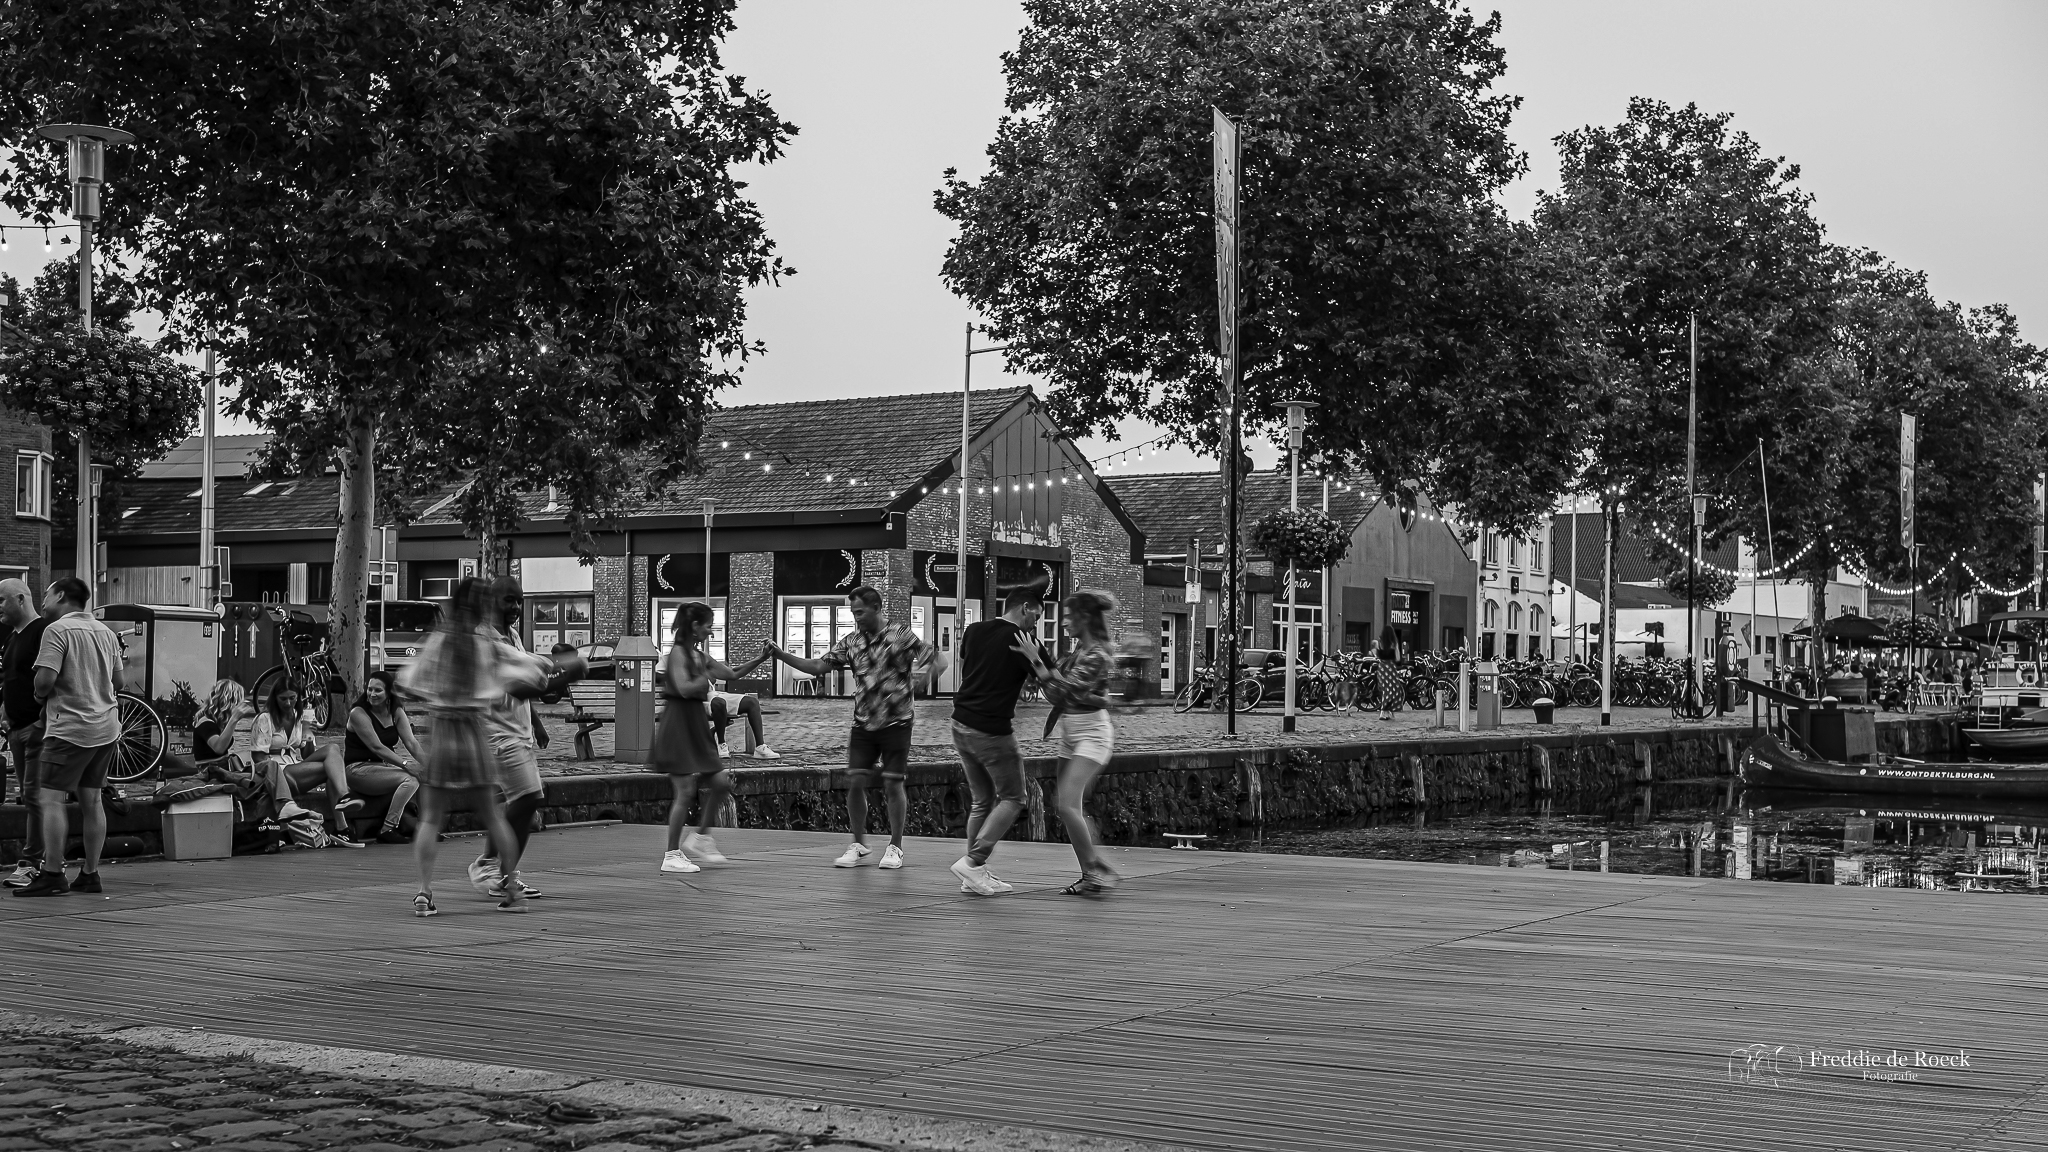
(885, 661)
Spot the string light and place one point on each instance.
(46, 239)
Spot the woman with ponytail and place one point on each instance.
(1078, 689)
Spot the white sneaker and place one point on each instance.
(485, 875)
(892, 857)
(975, 879)
(724, 752)
(22, 874)
(852, 857)
(675, 861)
(998, 881)
(764, 752)
(705, 848)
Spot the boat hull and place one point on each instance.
(2034, 740)
(1769, 764)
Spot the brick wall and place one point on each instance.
(887, 570)
(24, 543)
(608, 582)
(1101, 551)
(750, 607)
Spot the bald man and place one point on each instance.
(21, 637)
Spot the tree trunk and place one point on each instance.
(1817, 609)
(352, 556)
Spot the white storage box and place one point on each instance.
(202, 829)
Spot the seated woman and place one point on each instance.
(284, 743)
(213, 730)
(726, 705)
(377, 728)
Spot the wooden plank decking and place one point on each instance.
(1219, 1000)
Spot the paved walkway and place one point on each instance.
(810, 732)
(1217, 1000)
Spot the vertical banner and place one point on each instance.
(1225, 147)
(2040, 531)
(1191, 576)
(1908, 429)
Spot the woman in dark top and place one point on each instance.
(377, 728)
(213, 733)
(683, 747)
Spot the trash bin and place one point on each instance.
(202, 829)
(1545, 709)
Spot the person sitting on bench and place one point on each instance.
(726, 705)
(283, 739)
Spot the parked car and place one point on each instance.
(397, 630)
(600, 661)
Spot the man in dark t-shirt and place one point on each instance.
(21, 637)
(992, 673)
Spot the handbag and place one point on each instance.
(305, 832)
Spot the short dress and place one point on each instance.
(459, 752)
(682, 741)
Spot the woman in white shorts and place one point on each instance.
(1078, 689)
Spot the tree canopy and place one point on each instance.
(356, 202)
(1379, 275)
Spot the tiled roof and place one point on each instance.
(1171, 507)
(164, 506)
(1632, 563)
(886, 443)
(232, 456)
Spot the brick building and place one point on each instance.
(808, 500)
(1406, 571)
(25, 536)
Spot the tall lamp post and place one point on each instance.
(966, 433)
(1296, 413)
(87, 143)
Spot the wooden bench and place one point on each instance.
(593, 704)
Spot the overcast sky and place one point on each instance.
(1918, 127)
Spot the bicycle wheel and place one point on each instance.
(318, 676)
(1309, 694)
(1249, 692)
(1332, 689)
(259, 696)
(1422, 693)
(1585, 692)
(1190, 697)
(140, 746)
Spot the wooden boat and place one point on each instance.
(2025, 734)
(1769, 764)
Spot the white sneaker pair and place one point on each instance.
(679, 860)
(857, 854)
(977, 879)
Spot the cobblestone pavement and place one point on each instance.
(70, 1093)
(811, 733)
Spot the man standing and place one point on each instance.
(992, 672)
(78, 671)
(23, 628)
(884, 660)
(516, 737)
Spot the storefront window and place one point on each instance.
(1308, 631)
(552, 620)
(664, 612)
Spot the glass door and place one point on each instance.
(809, 629)
(664, 612)
(1168, 654)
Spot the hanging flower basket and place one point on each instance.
(1306, 539)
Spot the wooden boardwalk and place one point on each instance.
(1218, 1000)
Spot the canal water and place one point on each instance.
(1712, 828)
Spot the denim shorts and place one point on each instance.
(1089, 735)
(518, 767)
(888, 748)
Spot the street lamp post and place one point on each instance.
(1296, 414)
(87, 144)
(966, 433)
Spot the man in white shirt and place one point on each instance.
(516, 736)
(78, 673)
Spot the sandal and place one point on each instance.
(1085, 886)
(423, 905)
(571, 1114)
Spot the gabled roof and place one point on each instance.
(1170, 507)
(776, 457)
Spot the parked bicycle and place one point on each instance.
(1204, 689)
(308, 662)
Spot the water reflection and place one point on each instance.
(1713, 828)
